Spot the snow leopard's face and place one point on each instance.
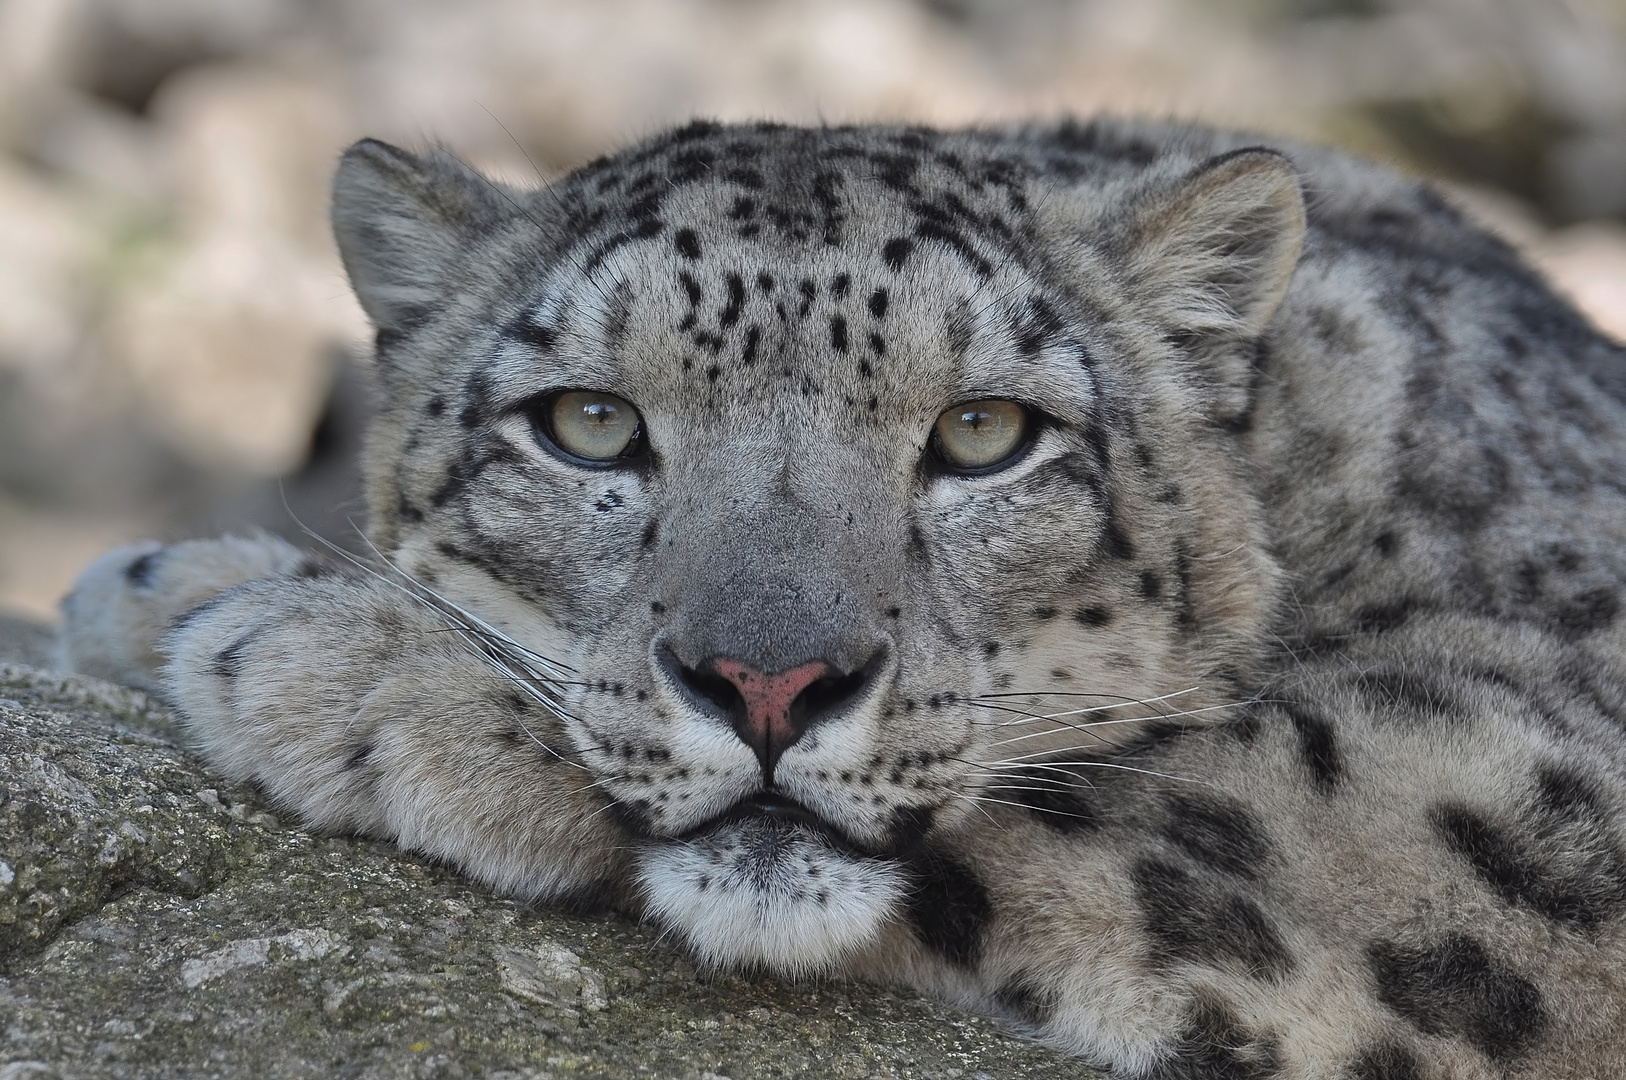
(837, 507)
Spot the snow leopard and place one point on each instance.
(1156, 586)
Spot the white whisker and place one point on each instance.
(1107, 723)
(1063, 766)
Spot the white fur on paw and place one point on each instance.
(115, 618)
(761, 894)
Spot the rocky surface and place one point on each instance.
(157, 921)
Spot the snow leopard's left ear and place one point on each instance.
(1214, 251)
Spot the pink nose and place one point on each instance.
(770, 725)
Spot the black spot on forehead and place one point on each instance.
(1114, 541)
(840, 285)
(476, 399)
(877, 303)
(616, 241)
(956, 242)
(1036, 327)
(691, 287)
(960, 330)
(745, 177)
(827, 186)
(528, 328)
(838, 333)
(1449, 985)
(617, 317)
(896, 171)
(687, 243)
(1094, 615)
(897, 252)
(736, 301)
(693, 130)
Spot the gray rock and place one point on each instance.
(158, 921)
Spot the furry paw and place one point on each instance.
(119, 609)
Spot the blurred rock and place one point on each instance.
(1527, 95)
(227, 340)
(131, 47)
(46, 246)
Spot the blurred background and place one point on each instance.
(178, 349)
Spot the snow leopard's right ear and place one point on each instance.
(401, 220)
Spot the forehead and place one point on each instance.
(810, 269)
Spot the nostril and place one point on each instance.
(829, 695)
(825, 696)
(712, 689)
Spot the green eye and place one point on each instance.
(593, 426)
(978, 436)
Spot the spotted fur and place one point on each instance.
(1264, 720)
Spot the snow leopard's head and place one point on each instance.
(837, 484)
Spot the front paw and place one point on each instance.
(122, 604)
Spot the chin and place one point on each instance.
(761, 891)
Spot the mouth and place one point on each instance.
(770, 814)
(768, 806)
